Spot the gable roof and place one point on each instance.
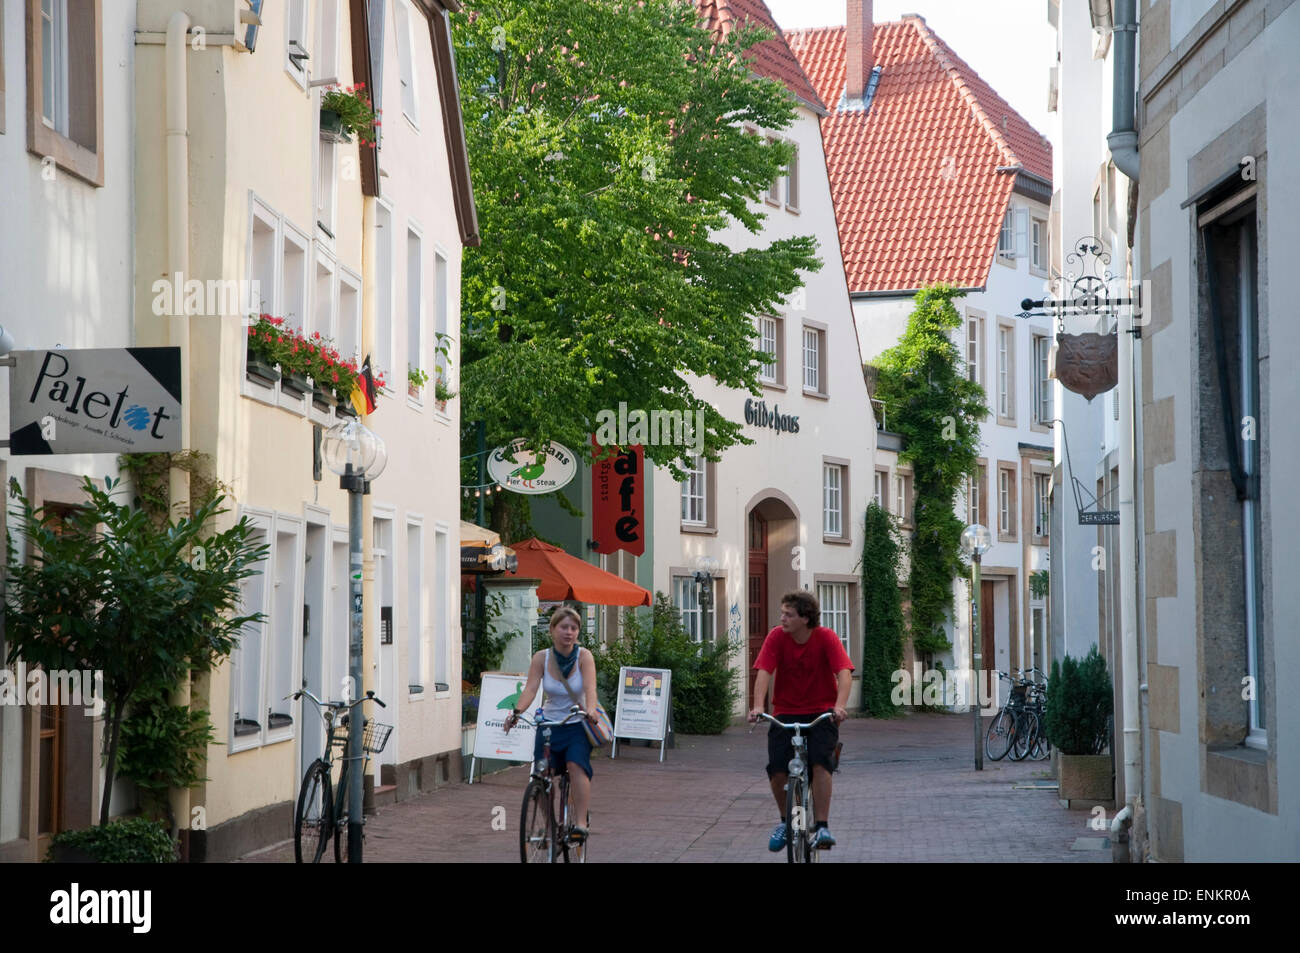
(771, 58)
(915, 181)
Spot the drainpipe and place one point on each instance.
(1123, 140)
(1123, 143)
(178, 266)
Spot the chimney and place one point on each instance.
(858, 34)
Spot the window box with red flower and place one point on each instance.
(347, 111)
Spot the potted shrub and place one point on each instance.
(347, 111)
(415, 380)
(1079, 705)
(441, 392)
(136, 840)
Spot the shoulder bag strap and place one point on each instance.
(567, 686)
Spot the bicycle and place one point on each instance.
(1002, 731)
(544, 837)
(318, 819)
(798, 794)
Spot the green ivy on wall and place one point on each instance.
(882, 607)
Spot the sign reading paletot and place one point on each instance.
(523, 471)
(95, 400)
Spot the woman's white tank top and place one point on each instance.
(558, 701)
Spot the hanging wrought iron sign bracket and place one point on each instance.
(1089, 514)
(1085, 291)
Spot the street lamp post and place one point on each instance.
(975, 542)
(706, 567)
(358, 456)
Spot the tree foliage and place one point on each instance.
(105, 589)
(937, 410)
(607, 150)
(1080, 700)
(882, 607)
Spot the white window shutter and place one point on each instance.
(1022, 233)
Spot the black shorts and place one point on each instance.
(821, 743)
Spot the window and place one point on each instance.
(264, 663)
(405, 63)
(349, 336)
(297, 58)
(65, 95)
(903, 497)
(326, 185)
(1098, 220)
(695, 494)
(832, 499)
(326, 65)
(1006, 374)
(384, 290)
(769, 335)
(879, 493)
(324, 303)
(834, 600)
(774, 190)
(1006, 502)
(1232, 532)
(974, 496)
(814, 363)
(441, 294)
(1013, 239)
(414, 300)
(1042, 383)
(293, 278)
(416, 656)
(792, 181)
(441, 612)
(686, 597)
(1042, 504)
(262, 254)
(1038, 246)
(974, 348)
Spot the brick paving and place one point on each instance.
(906, 791)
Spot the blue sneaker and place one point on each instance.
(777, 840)
(822, 839)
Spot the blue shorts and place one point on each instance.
(568, 743)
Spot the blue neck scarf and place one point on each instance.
(566, 662)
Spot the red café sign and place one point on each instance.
(618, 492)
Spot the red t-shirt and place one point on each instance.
(805, 674)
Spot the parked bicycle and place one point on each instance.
(319, 818)
(1017, 729)
(547, 821)
(799, 807)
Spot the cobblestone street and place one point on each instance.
(906, 791)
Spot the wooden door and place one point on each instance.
(987, 662)
(757, 595)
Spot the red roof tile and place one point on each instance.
(917, 193)
(771, 58)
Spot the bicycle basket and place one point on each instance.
(375, 737)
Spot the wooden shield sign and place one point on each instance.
(1087, 364)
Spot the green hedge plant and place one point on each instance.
(1079, 704)
(135, 840)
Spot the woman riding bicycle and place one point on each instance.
(567, 675)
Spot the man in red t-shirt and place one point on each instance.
(813, 676)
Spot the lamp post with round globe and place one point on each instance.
(358, 456)
(975, 542)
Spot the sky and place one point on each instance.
(1008, 42)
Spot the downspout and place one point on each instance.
(1123, 143)
(178, 266)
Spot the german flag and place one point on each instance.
(363, 390)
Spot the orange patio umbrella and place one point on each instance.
(568, 577)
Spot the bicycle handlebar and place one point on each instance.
(816, 721)
(304, 693)
(575, 711)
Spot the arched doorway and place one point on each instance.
(772, 533)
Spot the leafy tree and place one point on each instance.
(107, 590)
(882, 608)
(937, 410)
(607, 149)
(1080, 703)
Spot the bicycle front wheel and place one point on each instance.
(341, 844)
(1026, 728)
(574, 852)
(797, 809)
(536, 826)
(313, 821)
(1041, 748)
(998, 740)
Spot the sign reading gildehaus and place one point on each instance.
(95, 400)
(756, 413)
